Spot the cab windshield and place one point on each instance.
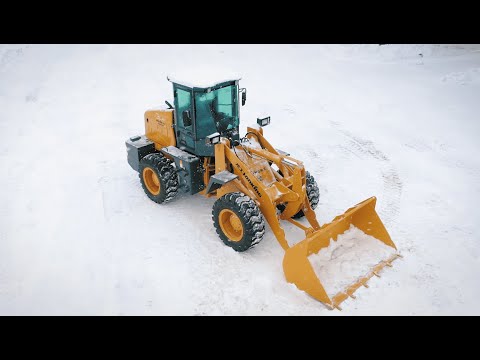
(216, 110)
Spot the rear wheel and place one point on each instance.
(238, 221)
(158, 177)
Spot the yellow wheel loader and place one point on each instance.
(194, 145)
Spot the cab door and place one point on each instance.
(184, 119)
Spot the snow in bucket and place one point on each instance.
(344, 261)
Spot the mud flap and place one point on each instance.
(298, 269)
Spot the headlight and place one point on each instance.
(264, 121)
(212, 139)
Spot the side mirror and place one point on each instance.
(187, 120)
(244, 95)
(264, 121)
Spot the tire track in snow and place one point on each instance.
(10, 56)
(462, 77)
(443, 151)
(393, 189)
(362, 148)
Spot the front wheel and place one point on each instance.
(238, 221)
(312, 194)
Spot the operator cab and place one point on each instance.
(204, 109)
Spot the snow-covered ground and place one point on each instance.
(79, 236)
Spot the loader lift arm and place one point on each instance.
(289, 189)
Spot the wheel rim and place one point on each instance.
(151, 181)
(231, 225)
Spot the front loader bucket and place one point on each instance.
(299, 270)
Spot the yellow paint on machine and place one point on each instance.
(159, 127)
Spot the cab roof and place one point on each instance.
(204, 82)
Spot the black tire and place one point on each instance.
(312, 195)
(249, 215)
(166, 174)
